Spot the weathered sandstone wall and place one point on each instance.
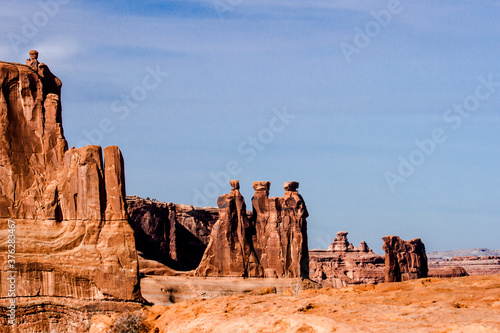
(72, 235)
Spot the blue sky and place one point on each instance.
(193, 91)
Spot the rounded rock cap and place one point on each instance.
(261, 186)
(235, 184)
(291, 186)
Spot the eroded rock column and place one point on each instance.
(404, 260)
(230, 250)
(281, 231)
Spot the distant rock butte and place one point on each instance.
(68, 204)
(341, 244)
(344, 264)
(404, 260)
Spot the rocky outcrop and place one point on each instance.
(174, 235)
(404, 260)
(343, 264)
(281, 231)
(341, 244)
(230, 251)
(272, 242)
(68, 205)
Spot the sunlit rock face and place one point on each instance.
(404, 260)
(230, 251)
(72, 235)
(281, 231)
(272, 242)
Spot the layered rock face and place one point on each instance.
(272, 243)
(174, 235)
(73, 238)
(404, 260)
(344, 264)
(55, 314)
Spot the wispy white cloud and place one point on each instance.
(356, 5)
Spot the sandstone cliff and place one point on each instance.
(271, 241)
(68, 205)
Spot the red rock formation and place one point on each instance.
(343, 264)
(230, 251)
(281, 231)
(73, 236)
(274, 239)
(174, 235)
(404, 260)
(341, 244)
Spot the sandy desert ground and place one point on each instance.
(466, 304)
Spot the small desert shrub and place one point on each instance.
(134, 322)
